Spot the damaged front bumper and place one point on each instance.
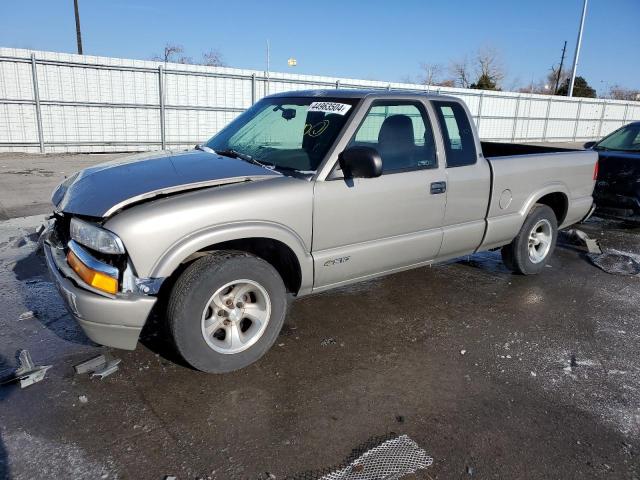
(111, 320)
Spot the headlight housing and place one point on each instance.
(95, 238)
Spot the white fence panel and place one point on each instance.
(87, 103)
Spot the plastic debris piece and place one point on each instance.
(91, 365)
(109, 368)
(616, 263)
(328, 341)
(83, 399)
(27, 315)
(462, 352)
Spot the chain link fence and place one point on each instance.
(57, 102)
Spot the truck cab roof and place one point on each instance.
(362, 93)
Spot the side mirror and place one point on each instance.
(361, 162)
(589, 145)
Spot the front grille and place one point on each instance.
(62, 229)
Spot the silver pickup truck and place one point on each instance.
(304, 192)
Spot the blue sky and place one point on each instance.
(375, 39)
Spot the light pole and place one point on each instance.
(577, 54)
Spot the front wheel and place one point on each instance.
(226, 310)
(529, 252)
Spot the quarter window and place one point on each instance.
(401, 133)
(459, 144)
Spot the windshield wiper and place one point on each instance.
(243, 156)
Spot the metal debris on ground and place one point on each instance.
(98, 366)
(91, 365)
(616, 263)
(27, 372)
(390, 460)
(109, 368)
(580, 238)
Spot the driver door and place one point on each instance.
(365, 227)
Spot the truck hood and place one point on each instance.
(101, 190)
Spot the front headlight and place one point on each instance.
(95, 238)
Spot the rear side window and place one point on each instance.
(459, 143)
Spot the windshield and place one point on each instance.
(627, 139)
(286, 132)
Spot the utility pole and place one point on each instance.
(577, 54)
(268, 66)
(78, 34)
(564, 49)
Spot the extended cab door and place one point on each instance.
(468, 177)
(366, 226)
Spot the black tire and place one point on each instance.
(192, 292)
(516, 255)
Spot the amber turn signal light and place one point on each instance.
(92, 277)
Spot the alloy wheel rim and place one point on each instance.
(539, 242)
(236, 316)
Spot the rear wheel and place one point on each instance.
(530, 250)
(226, 310)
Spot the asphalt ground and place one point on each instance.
(494, 375)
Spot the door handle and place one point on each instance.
(438, 187)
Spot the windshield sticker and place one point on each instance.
(329, 107)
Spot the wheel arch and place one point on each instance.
(276, 244)
(555, 196)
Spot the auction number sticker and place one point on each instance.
(329, 107)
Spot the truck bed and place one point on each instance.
(521, 174)
(496, 149)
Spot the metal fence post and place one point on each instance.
(604, 107)
(479, 112)
(546, 120)
(36, 97)
(515, 119)
(161, 99)
(337, 84)
(626, 111)
(253, 88)
(575, 127)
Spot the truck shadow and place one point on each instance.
(156, 337)
(40, 296)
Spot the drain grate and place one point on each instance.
(389, 459)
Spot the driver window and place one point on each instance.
(402, 135)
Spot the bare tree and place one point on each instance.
(407, 79)
(213, 58)
(432, 73)
(449, 82)
(170, 54)
(618, 92)
(538, 87)
(489, 64)
(461, 72)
